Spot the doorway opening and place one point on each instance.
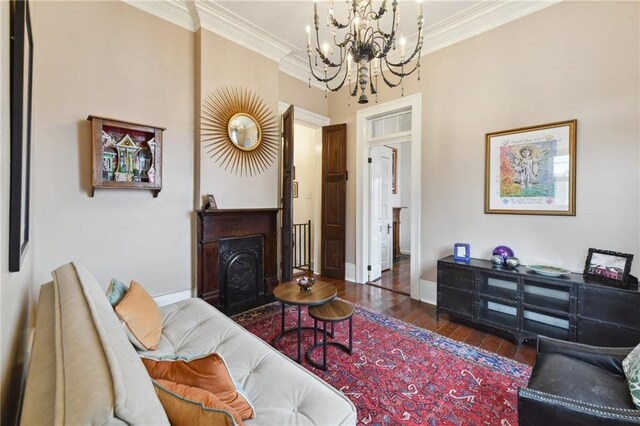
(390, 130)
(306, 189)
(389, 139)
(307, 165)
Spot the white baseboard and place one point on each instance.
(350, 272)
(428, 292)
(167, 299)
(407, 252)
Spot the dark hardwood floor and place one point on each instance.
(423, 315)
(397, 277)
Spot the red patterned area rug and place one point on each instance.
(403, 374)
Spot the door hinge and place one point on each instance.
(369, 160)
(346, 175)
(368, 267)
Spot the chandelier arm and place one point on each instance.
(417, 50)
(387, 81)
(339, 24)
(402, 74)
(322, 79)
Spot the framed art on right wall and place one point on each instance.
(532, 170)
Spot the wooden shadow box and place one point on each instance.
(126, 155)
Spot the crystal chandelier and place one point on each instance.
(365, 47)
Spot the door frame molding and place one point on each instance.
(317, 121)
(362, 177)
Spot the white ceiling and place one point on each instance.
(276, 29)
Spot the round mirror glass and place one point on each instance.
(244, 132)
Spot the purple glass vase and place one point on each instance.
(503, 251)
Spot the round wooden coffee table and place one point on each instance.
(332, 312)
(290, 294)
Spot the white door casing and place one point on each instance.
(386, 242)
(414, 102)
(375, 215)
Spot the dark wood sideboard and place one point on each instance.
(525, 305)
(237, 265)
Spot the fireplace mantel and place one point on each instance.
(227, 240)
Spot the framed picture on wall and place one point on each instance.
(21, 95)
(532, 170)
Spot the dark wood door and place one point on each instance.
(287, 194)
(334, 197)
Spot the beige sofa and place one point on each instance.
(84, 370)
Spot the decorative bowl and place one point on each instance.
(549, 271)
(305, 283)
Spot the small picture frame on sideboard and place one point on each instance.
(607, 266)
(462, 252)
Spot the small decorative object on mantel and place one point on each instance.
(532, 170)
(239, 130)
(210, 202)
(462, 252)
(610, 267)
(305, 283)
(126, 155)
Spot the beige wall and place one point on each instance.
(224, 63)
(15, 288)
(572, 60)
(111, 59)
(298, 93)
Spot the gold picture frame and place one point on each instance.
(532, 170)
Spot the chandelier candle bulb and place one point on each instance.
(308, 36)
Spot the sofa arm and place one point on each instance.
(607, 358)
(537, 408)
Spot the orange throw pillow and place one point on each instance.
(209, 373)
(141, 315)
(189, 406)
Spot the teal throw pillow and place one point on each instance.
(631, 367)
(116, 292)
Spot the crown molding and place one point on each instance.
(194, 14)
(227, 24)
(475, 20)
(303, 115)
(298, 67)
(176, 12)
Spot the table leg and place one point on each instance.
(299, 334)
(315, 331)
(350, 334)
(324, 345)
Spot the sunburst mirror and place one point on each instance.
(239, 131)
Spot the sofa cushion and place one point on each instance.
(561, 375)
(116, 291)
(191, 406)
(209, 373)
(631, 367)
(139, 313)
(282, 392)
(99, 375)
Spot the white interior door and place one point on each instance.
(386, 240)
(375, 216)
